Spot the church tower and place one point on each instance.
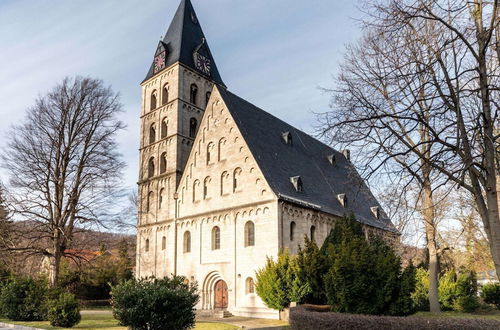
(175, 93)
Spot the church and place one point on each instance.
(224, 184)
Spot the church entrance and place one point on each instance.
(221, 297)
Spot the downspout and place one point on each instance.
(176, 197)
(235, 268)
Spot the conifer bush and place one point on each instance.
(458, 291)
(64, 311)
(491, 294)
(155, 304)
(24, 299)
(420, 295)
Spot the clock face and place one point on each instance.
(160, 61)
(202, 63)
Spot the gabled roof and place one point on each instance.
(307, 158)
(183, 37)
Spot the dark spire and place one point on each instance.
(183, 39)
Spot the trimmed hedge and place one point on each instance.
(310, 317)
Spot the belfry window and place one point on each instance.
(163, 163)
(154, 100)
(149, 201)
(164, 128)
(151, 167)
(163, 243)
(193, 94)
(249, 234)
(206, 183)
(207, 98)
(160, 197)
(152, 133)
(193, 126)
(187, 242)
(164, 96)
(146, 245)
(216, 238)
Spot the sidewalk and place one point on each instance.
(248, 323)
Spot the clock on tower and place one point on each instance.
(202, 61)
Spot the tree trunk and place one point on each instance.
(55, 261)
(430, 231)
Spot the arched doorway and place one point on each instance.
(221, 297)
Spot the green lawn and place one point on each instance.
(106, 321)
(491, 315)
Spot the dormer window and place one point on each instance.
(347, 154)
(297, 183)
(376, 211)
(331, 159)
(287, 137)
(342, 199)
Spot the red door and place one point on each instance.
(220, 294)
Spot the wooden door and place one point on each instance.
(221, 294)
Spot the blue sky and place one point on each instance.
(274, 53)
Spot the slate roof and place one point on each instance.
(305, 157)
(183, 36)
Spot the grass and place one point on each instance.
(106, 321)
(488, 315)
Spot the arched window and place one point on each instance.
(163, 163)
(146, 245)
(151, 167)
(249, 234)
(222, 144)
(215, 238)
(187, 242)
(164, 96)
(249, 285)
(236, 179)
(193, 94)
(224, 183)
(163, 243)
(313, 233)
(149, 202)
(207, 98)
(206, 183)
(292, 230)
(152, 133)
(164, 128)
(196, 185)
(160, 197)
(153, 99)
(193, 126)
(210, 152)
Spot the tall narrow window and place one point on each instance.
(249, 234)
(236, 179)
(160, 198)
(163, 243)
(146, 245)
(215, 238)
(249, 285)
(153, 99)
(207, 98)
(187, 242)
(292, 230)
(193, 94)
(164, 96)
(206, 183)
(313, 233)
(152, 133)
(149, 202)
(225, 183)
(163, 163)
(164, 128)
(196, 185)
(222, 144)
(151, 167)
(193, 126)
(210, 152)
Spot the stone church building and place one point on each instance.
(224, 184)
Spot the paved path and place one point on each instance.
(248, 322)
(6, 326)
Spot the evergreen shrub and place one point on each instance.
(64, 311)
(23, 299)
(491, 294)
(155, 304)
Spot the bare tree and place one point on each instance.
(421, 92)
(64, 166)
